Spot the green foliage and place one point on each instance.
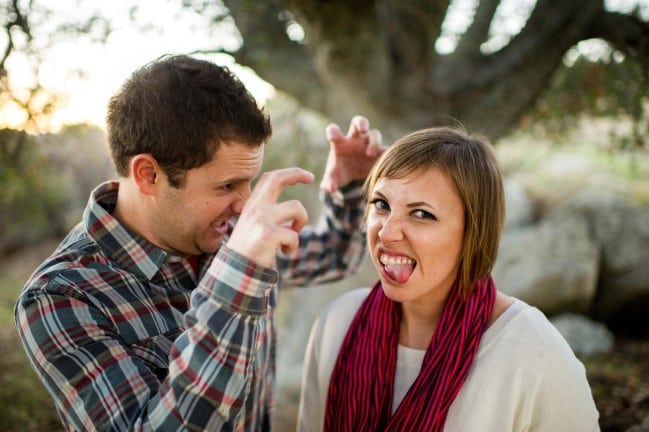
(585, 155)
(25, 405)
(612, 87)
(30, 191)
(298, 140)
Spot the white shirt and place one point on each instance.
(525, 377)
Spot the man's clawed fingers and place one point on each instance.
(351, 155)
(266, 224)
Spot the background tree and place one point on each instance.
(404, 63)
(379, 57)
(21, 21)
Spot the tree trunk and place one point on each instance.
(378, 58)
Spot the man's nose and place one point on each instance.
(240, 201)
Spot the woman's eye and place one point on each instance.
(423, 214)
(380, 204)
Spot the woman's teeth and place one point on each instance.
(398, 268)
(395, 260)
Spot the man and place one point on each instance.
(156, 311)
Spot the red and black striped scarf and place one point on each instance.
(362, 382)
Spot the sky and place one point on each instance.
(174, 30)
(107, 65)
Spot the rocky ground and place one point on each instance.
(619, 379)
(620, 384)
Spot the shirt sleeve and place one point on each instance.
(98, 383)
(334, 247)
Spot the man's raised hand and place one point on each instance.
(351, 156)
(265, 224)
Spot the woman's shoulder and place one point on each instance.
(525, 359)
(332, 323)
(348, 300)
(344, 307)
(524, 332)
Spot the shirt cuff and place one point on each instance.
(351, 193)
(237, 283)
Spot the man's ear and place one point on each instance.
(146, 172)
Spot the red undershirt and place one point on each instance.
(193, 261)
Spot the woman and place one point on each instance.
(433, 345)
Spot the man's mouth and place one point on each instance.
(221, 228)
(398, 268)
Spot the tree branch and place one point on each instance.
(340, 34)
(349, 49)
(527, 62)
(268, 50)
(478, 31)
(377, 57)
(553, 27)
(411, 28)
(627, 33)
(15, 19)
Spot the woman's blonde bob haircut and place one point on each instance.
(470, 162)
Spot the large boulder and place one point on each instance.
(519, 208)
(552, 265)
(621, 231)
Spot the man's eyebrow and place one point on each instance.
(234, 180)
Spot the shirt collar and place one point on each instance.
(131, 251)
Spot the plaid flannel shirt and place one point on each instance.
(125, 336)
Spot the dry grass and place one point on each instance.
(25, 405)
(618, 379)
(620, 385)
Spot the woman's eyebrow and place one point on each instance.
(419, 204)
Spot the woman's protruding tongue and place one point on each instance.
(398, 268)
(400, 272)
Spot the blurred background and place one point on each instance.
(561, 88)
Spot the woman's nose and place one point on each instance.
(391, 229)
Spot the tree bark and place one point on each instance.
(378, 58)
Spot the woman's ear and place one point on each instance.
(146, 173)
